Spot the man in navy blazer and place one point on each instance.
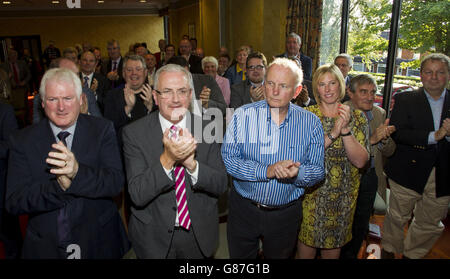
(293, 46)
(419, 170)
(63, 173)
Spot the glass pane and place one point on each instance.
(368, 39)
(331, 30)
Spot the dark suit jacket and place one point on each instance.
(95, 224)
(312, 100)
(108, 67)
(24, 72)
(306, 65)
(153, 193)
(114, 109)
(240, 94)
(103, 86)
(8, 124)
(216, 99)
(411, 164)
(195, 64)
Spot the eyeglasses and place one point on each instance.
(257, 67)
(169, 93)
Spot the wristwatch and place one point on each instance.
(331, 137)
(347, 134)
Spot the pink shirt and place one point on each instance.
(224, 85)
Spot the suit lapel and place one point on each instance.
(43, 143)
(154, 133)
(79, 138)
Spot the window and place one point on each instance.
(331, 30)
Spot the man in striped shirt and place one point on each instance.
(273, 149)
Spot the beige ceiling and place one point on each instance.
(27, 5)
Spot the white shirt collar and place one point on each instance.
(90, 76)
(166, 124)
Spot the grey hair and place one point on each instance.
(291, 65)
(70, 50)
(436, 56)
(60, 75)
(296, 37)
(173, 68)
(210, 59)
(134, 58)
(361, 79)
(345, 56)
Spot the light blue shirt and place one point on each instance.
(71, 130)
(253, 141)
(436, 109)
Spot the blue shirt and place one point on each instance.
(436, 109)
(253, 141)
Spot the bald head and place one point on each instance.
(68, 64)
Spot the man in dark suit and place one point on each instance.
(174, 178)
(66, 188)
(293, 46)
(251, 89)
(89, 102)
(10, 233)
(113, 65)
(90, 79)
(206, 88)
(19, 75)
(125, 105)
(345, 64)
(195, 62)
(419, 170)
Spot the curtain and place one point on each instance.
(305, 19)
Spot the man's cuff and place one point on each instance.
(168, 172)
(300, 175)
(261, 172)
(307, 102)
(194, 174)
(431, 139)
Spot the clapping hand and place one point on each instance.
(180, 150)
(65, 162)
(257, 93)
(283, 169)
(204, 96)
(146, 96)
(383, 132)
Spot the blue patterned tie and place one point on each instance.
(86, 80)
(62, 218)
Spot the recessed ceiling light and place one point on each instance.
(6, 2)
(55, 2)
(100, 1)
(142, 1)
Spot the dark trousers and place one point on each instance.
(184, 245)
(364, 207)
(10, 234)
(248, 224)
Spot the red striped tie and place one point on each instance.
(180, 191)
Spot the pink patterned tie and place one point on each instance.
(180, 191)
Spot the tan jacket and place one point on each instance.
(380, 151)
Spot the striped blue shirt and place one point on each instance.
(253, 142)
